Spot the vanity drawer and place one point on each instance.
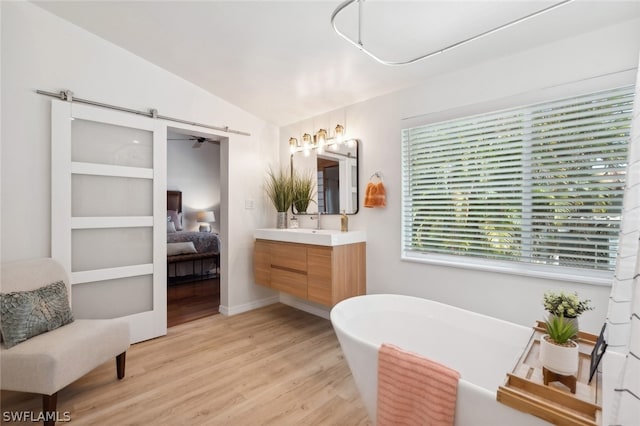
(294, 283)
(289, 256)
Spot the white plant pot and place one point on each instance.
(281, 222)
(559, 359)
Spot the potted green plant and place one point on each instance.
(279, 189)
(303, 185)
(564, 304)
(558, 352)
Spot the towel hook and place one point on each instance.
(376, 175)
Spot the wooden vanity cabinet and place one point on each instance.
(320, 274)
(261, 263)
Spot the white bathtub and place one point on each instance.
(481, 348)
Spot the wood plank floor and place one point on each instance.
(192, 300)
(271, 366)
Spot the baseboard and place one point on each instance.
(304, 306)
(234, 310)
(282, 298)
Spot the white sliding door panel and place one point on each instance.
(118, 247)
(102, 143)
(110, 196)
(138, 288)
(108, 214)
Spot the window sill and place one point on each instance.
(599, 278)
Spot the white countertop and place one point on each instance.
(319, 237)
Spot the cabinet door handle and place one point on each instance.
(284, 268)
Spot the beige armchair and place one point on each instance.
(48, 362)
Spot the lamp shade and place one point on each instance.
(206, 216)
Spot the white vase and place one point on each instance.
(559, 359)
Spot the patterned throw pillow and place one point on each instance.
(25, 314)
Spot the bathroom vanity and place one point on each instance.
(322, 266)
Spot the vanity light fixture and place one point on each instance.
(320, 140)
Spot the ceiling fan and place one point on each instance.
(199, 140)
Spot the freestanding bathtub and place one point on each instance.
(481, 348)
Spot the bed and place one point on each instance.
(189, 253)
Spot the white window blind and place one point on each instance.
(541, 184)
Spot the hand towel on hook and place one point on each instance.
(375, 194)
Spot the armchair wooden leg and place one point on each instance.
(49, 404)
(120, 363)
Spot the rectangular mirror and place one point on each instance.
(336, 173)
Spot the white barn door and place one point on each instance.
(108, 213)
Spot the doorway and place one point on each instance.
(194, 170)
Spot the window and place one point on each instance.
(538, 185)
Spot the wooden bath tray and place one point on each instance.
(524, 390)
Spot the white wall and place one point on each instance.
(195, 172)
(485, 86)
(42, 51)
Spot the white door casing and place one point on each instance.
(108, 213)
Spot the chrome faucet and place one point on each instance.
(317, 218)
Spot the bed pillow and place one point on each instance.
(26, 314)
(181, 248)
(171, 227)
(176, 219)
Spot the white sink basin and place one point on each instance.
(319, 237)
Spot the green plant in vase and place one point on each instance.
(279, 188)
(558, 352)
(568, 305)
(560, 330)
(303, 185)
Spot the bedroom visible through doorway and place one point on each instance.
(193, 218)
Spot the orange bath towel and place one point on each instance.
(413, 390)
(375, 195)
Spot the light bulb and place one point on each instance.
(322, 136)
(321, 139)
(293, 145)
(339, 134)
(306, 141)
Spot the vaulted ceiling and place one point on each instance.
(282, 61)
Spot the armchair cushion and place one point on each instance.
(25, 314)
(48, 362)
